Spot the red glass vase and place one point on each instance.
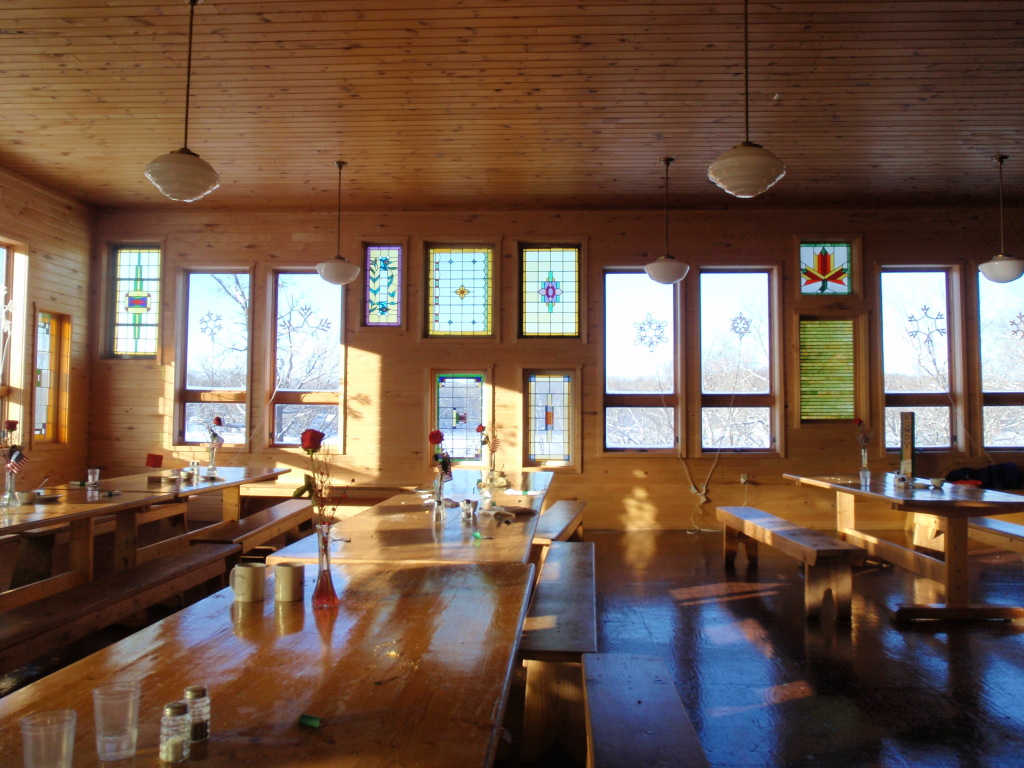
(324, 595)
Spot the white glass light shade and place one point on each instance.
(182, 175)
(667, 270)
(1002, 268)
(338, 271)
(746, 170)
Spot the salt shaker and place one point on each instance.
(175, 732)
(199, 711)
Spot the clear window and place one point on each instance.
(460, 286)
(215, 376)
(737, 394)
(307, 356)
(458, 411)
(550, 291)
(135, 301)
(1001, 329)
(550, 407)
(383, 287)
(52, 374)
(915, 355)
(640, 394)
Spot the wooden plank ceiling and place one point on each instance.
(515, 104)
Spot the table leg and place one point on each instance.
(81, 556)
(232, 503)
(125, 540)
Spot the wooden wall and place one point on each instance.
(387, 370)
(54, 232)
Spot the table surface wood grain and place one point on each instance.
(412, 669)
(166, 481)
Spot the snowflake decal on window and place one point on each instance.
(740, 325)
(650, 332)
(1017, 326)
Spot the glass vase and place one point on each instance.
(9, 499)
(211, 471)
(324, 595)
(865, 473)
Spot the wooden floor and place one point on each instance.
(767, 689)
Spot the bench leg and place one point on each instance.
(732, 540)
(829, 578)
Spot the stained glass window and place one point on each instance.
(549, 409)
(826, 369)
(136, 305)
(825, 268)
(459, 291)
(459, 410)
(383, 271)
(550, 291)
(52, 370)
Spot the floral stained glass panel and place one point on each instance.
(383, 271)
(460, 291)
(137, 302)
(825, 268)
(550, 291)
(459, 402)
(549, 416)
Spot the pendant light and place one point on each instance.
(665, 269)
(338, 270)
(181, 174)
(1002, 268)
(747, 169)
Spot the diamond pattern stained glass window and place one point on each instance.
(550, 291)
(459, 399)
(825, 268)
(459, 291)
(383, 272)
(136, 314)
(549, 404)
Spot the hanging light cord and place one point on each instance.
(746, 73)
(188, 68)
(1002, 245)
(340, 164)
(667, 161)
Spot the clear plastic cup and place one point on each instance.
(48, 738)
(116, 706)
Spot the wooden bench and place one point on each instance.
(42, 626)
(634, 715)
(997, 533)
(562, 521)
(260, 527)
(560, 626)
(827, 560)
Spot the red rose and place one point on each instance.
(10, 425)
(218, 421)
(436, 437)
(311, 440)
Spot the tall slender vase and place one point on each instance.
(211, 471)
(439, 488)
(865, 473)
(9, 499)
(324, 595)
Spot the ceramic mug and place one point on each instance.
(288, 581)
(249, 582)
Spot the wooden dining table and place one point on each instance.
(413, 668)
(403, 528)
(954, 505)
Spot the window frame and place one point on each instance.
(774, 400)
(575, 461)
(183, 396)
(403, 272)
(522, 293)
(952, 399)
(486, 412)
(493, 332)
(297, 397)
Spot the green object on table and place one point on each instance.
(310, 721)
(476, 535)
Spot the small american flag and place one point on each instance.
(16, 460)
(216, 440)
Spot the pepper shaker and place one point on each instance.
(199, 711)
